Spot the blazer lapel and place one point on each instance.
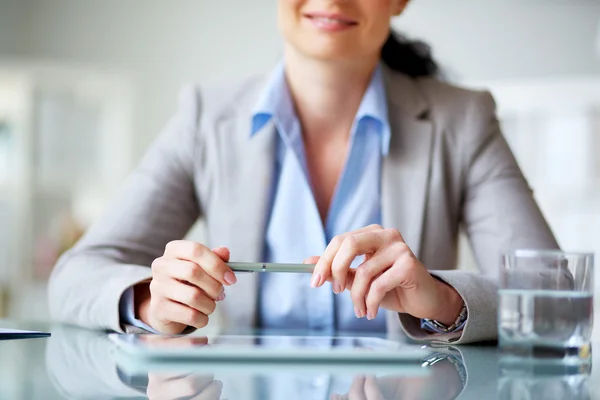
(247, 218)
(406, 169)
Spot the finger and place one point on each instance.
(223, 253)
(357, 391)
(366, 273)
(169, 311)
(212, 391)
(202, 256)
(323, 268)
(188, 271)
(352, 247)
(188, 295)
(372, 391)
(312, 260)
(398, 276)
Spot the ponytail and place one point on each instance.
(409, 57)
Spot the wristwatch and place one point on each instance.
(462, 317)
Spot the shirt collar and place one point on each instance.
(276, 103)
(374, 107)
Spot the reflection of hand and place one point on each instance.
(174, 341)
(363, 388)
(435, 386)
(172, 387)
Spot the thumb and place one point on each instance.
(222, 252)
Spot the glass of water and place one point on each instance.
(545, 308)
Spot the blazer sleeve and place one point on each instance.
(499, 213)
(157, 204)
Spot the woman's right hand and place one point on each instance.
(187, 281)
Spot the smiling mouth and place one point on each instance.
(331, 21)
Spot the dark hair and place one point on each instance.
(410, 57)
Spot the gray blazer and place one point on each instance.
(448, 168)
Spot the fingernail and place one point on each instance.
(221, 296)
(230, 278)
(369, 316)
(337, 288)
(315, 280)
(356, 312)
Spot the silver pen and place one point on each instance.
(271, 267)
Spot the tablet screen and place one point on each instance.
(275, 343)
(291, 348)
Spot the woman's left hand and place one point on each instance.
(390, 276)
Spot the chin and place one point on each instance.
(330, 51)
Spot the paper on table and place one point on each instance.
(19, 334)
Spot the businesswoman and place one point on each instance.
(350, 154)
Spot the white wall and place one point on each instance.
(164, 44)
(11, 16)
(486, 39)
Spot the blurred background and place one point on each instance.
(85, 86)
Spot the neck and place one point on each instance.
(327, 95)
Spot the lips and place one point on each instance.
(331, 22)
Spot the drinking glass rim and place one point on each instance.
(546, 253)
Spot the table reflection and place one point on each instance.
(85, 364)
(533, 380)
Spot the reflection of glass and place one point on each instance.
(544, 382)
(546, 305)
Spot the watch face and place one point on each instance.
(436, 326)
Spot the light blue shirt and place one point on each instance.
(295, 230)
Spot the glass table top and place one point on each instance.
(80, 364)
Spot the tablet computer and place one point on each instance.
(268, 348)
